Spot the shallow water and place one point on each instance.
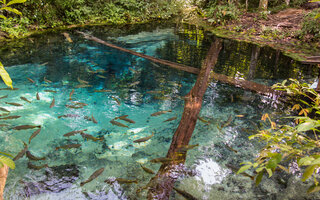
(130, 80)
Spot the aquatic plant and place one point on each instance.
(297, 142)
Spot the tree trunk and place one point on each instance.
(263, 5)
(161, 185)
(253, 62)
(3, 178)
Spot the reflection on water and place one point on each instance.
(230, 114)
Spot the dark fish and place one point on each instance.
(147, 170)
(13, 104)
(10, 117)
(83, 86)
(21, 153)
(127, 120)
(32, 81)
(34, 134)
(24, 127)
(94, 120)
(144, 139)
(102, 90)
(69, 115)
(73, 106)
(25, 99)
(118, 124)
(202, 120)
(170, 119)
(100, 76)
(185, 148)
(52, 91)
(230, 148)
(4, 110)
(160, 112)
(132, 70)
(32, 157)
(235, 170)
(227, 123)
(38, 97)
(74, 132)
(35, 167)
(46, 80)
(67, 36)
(79, 104)
(71, 93)
(122, 116)
(93, 176)
(120, 180)
(9, 88)
(185, 194)
(82, 81)
(161, 160)
(52, 102)
(90, 137)
(117, 100)
(69, 146)
(4, 97)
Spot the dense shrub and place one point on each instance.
(311, 24)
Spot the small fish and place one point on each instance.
(155, 92)
(69, 115)
(160, 112)
(101, 71)
(13, 104)
(73, 106)
(4, 110)
(227, 123)
(185, 194)
(134, 83)
(5, 114)
(67, 36)
(144, 139)
(10, 117)
(121, 117)
(82, 81)
(21, 153)
(35, 167)
(32, 157)
(79, 104)
(235, 170)
(118, 124)
(4, 97)
(161, 160)
(38, 97)
(71, 93)
(25, 99)
(87, 118)
(34, 134)
(74, 132)
(32, 81)
(230, 148)
(102, 90)
(147, 170)
(93, 176)
(69, 146)
(52, 91)
(52, 102)
(132, 70)
(94, 120)
(46, 80)
(24, 127)
(100, 76)
(9, 88)
(121, 180)
(83, 86)
(185, 148)
(239, 115)
(170, 119)
(90, 137)
(117, 100)
(203, 120)
(128, 120)
(231, 98)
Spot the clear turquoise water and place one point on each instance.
(206, 177)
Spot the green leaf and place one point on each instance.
(269, 172)
(3, 17)
(314, 188)
(305, 161)
(308, 172)
(5, 76)
(317, 16)
(15, 1)
(259, 178)
(7, 161)
(11, 10)
(243, 168)
(306, 126)
(7, 154)
(316, 162)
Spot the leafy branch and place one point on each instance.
(7, 7)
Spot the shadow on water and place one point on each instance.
(228, 115)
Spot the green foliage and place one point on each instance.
(311, 24)
(220, 14)
(290, 143)
(6, 7)
(5, 159)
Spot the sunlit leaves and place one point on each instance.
(243, 168)
(7, 161)
(5, 76)
(15, 2)
(11, 10)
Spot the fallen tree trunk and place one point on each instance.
(3, 178)
(162, 184)
(244, 84)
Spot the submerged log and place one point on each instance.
(162, 184)
(3, 178)
(244, 84)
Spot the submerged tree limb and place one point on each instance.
(3, 177)
(162, 184)
(244, 84)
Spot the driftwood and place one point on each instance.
(244, 84)
(161, 185)
(3, 178)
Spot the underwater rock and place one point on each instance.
(57, 179)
